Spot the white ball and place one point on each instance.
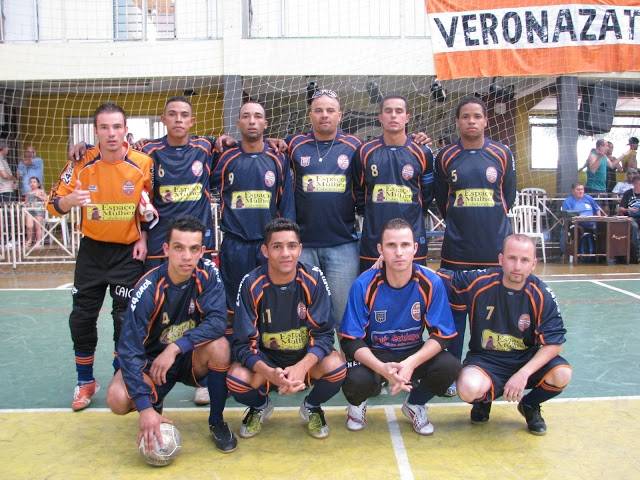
(171, 445)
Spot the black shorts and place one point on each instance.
(181, 371)
(500, 368)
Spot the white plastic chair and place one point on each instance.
(536, 197)
(526, 220)
(50, 224)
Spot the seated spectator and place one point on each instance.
(30, 166)
(581, 204)
(34, 217)
(630, 205)
(622, 187)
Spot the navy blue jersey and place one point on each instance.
(286, 320)
(181, 187)
(324, 188)
(254, 189)
(159, 313)
(474, 190)
(382, 317)
(504, 320)
(395, 181)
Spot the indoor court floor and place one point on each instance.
(593, 427)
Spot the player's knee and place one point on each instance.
(332, 362)
(117, 399)
(359, 384)
(218, 354)
(471, 385)
(241, 373)
(559, 377)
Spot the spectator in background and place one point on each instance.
(34, 214)
(130, 139)
(613, 166)
(628, 159)
(7, 180)
(579, 203)
(622, 187)
(630, 205)
(30, 166)
(596, 166)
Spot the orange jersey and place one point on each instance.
(115, 189)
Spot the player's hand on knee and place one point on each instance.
(163, 363)
(514, 388)
(149, 426)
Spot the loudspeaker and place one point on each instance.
(597, 110)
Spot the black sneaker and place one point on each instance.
(223, 437)
(480, 412)
(535, 422)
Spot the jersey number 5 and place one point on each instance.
(454, 176)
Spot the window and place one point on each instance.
(81, 129)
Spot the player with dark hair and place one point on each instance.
(110, 180)
(381, 332)
(255, 186)
(283, 334)
(174, 332)
(395, 177)
(516, 336)
(475, 186)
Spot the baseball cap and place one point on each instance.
(634, 141)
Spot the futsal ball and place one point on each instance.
(171, 445)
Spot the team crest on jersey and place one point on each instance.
(524, 322)
(67, 174)
(305, 161)
(415, 311)
(192, 307)
(380, 316)
(128, 187)
(269, 178)
(343, 161)
(196, 168)
(492, 174)
(302, 311)
(407, 172)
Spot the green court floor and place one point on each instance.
(594, 426)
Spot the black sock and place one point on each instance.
(540, 394)
(217, 385)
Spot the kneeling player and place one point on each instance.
(516, 335)
(283, 334)
(387, 312)
(174, 332)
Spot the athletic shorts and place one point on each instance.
(500, 368)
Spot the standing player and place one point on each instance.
(325, 197)
(255, 186)
(387, 313)
(475, 188)
(107, 184)
(395, 175)
(283, 334)
(516, 335)
(174, 332)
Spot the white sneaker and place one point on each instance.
(452, 391)
(201, 396)
(357, 416)
(418, 416)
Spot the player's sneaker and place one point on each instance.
(533, 416)
(480, 412)
(201, 396)
(418, 416)
(316, 424)
(357, 416)
(254, 418)
(223, 437)
(452, 391)
(83, 394)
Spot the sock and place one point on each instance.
(419, 396)
(540, 394)
(245, 393)
(217, 386)
(326, 387)
(84, 367)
